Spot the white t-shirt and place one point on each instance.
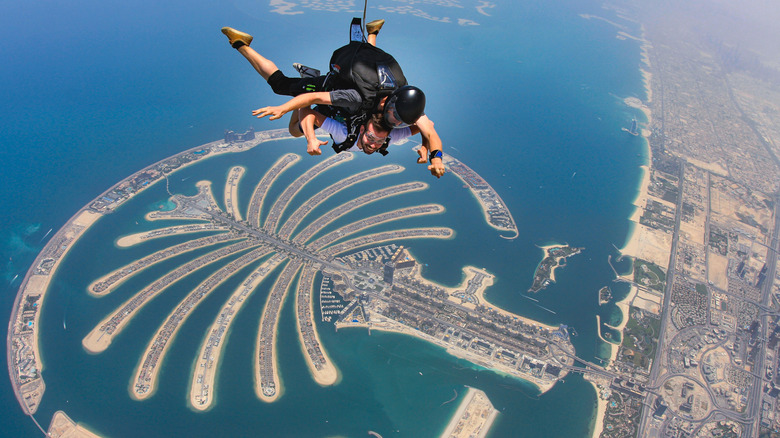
(339, 133)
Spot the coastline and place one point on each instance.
(386, 325)
(269, 329)
(473, 418)
(601, 413)
(469, 273)
(485, 195)
(94, 341)
(36, 281)
(329, 375)
(633, 241)
(231, 192)
(63, 426)
(546, 249)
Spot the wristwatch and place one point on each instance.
(434, 154)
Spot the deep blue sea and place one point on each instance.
(528, 94)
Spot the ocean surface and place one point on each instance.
(529, 95)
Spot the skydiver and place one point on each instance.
(375, 134)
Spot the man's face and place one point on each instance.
(371, 139)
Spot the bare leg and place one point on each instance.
(263, 66)
(294, 127)
(373, 30)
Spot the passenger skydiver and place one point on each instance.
(375, 135)
(356, 100)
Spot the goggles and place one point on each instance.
(391, 114)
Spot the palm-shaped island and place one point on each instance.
(376, 281)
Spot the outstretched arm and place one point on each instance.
(422, 151)
(309, 118)
(431, 142)
(304, 100)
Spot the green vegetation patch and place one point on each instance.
(640, 338)
(622, 417)
(649, 274)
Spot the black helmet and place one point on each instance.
(404, 106)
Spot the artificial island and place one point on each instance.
(358, 279)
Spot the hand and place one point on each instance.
(313, 148)
(422, 151)
(275, 112)
(436, 167)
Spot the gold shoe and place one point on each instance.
(374, 26)
(236, 36)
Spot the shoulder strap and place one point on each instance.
(353, 130)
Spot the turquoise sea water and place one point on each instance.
(529, 96)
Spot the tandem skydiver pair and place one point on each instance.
(363, 101)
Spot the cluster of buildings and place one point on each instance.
(455, 319)
(103, 286)
(713, 190)
(149, 367)
(306, 319)
(266, 362)
(234, 137)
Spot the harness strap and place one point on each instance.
(353, 131)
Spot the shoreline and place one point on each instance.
(474, 408)
(632, 244)
(546, 250)
(485, 195)
(153, 259)
(469, 273)
(384, 324)
(38, 283)
(330, 375)
(231, 192)
(276, 298)
(94, 343)
(62, 425)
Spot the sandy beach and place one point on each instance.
(231, 192)
(272, 309)
(469, 273)
(98, 340)
(546, 249)
(601, 412)
(487, 199)
(135, 239)
(62, 426)
(635, 241)
(107, 283)
(23, 335)
(36, 281)
(39, 284)
(381, 323)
